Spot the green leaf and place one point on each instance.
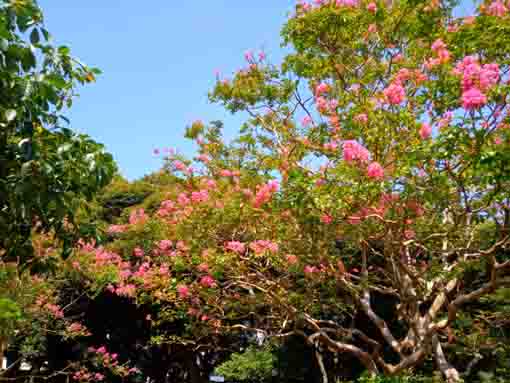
(34, 36)
(63, 50)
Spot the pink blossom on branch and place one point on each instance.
(236, 247)
(208, 281)
(375, 171)
(353, 151)
(473, 99)
(395, 93)
(425, 131)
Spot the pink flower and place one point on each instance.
(183, 199)
(165, 245)
(445, 120)
(372, 28)
(353, 151)
(137, 216)
(235, 246)
(438, 45)
(200, 196)
(489, 76)
(473, 99)
(203, 158)
(138, 252)
(207, 281)
(497, 8)
(101, 350)
(203, 268)
(211, 184)
(75, 327)
(178, 165)
(115, 229)
(425, 131)
(225, 173)
(306, 121)
(320, 182)
(183, 291)
(331, 146)
(375, 171)
(395, 93)
(128, 290)
(398, 58)
(327, 219)
(321, 88)
(309, 270)
(261, 246)
(409, 234)
(265, 193)
(248, 56)
(362, 118)
(372, 7)
(347, 3)
(291, 259)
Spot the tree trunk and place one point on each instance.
(450, 373)
(3, 348)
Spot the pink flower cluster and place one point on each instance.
(375, 171)
(291, 259)
(347, 3)
(353, 151)
(395, 93)
(331, 146)
(200, 196)
(116, 229)
(306, 121)
(326, 106)
(445, 120)
(183, 291)
(476, 80)
(321, 89)
(179, 166)
(361, 118)
(166, 208)
(425, 130)
(265, 193)
(77, 329)
(262, 246)
(442, 55)
(207, 281)
(497, 8)
(104, 257)
(86, 376)
(54, 310)
(137, 216)
(236, 247)
(326, 219)
(125, 290)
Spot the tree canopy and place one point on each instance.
(361, 216)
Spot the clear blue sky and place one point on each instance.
(158, 59)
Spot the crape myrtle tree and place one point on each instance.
(373, 166)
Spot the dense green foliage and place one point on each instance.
(45, 170)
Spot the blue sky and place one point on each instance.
(158, 60)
